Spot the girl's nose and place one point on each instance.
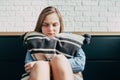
(50, 27)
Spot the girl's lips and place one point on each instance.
(51, 34)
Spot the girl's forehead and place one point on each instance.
(53, 17)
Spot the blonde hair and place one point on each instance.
(48, 10)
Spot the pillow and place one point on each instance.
(63, 43)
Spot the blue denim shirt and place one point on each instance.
(77, 62)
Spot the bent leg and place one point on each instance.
(61, 68)
(78, 76)
(40, 71)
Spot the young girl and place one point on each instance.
(59, 67)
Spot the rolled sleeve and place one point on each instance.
(78, 61)
(28, 57)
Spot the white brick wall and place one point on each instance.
(78, 15)
(20, 15)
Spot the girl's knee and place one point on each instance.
(58, 58)
(59, 62)
(40, 64)
(61, 65)
(40, 70)
(41, 67)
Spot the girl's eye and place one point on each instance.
(55, 24)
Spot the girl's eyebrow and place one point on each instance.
(44, 23)
(55, 23)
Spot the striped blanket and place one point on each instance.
(39, 45)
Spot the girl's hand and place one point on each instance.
(29, 66)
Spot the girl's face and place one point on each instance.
(51, 25)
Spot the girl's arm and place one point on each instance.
(78, 61)
(29, 62)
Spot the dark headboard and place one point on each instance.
(12, 56)
(103, 58)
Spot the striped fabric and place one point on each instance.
(63, 43)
